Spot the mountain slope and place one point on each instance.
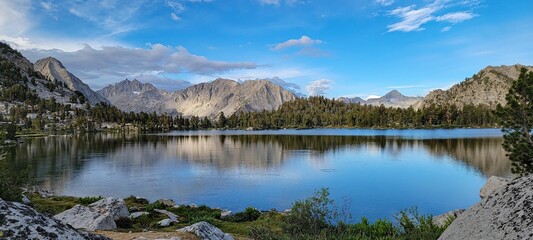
(134, 96)
(19, 82)
(488, 87)
(54, 70)
(391, 99)
(203, 100)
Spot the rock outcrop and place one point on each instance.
(203, 100)
(492, 184)
(488, 87)
(506, 213)
(206, 231)
(445, 218)
(19, 221)
(100, 215)
(54, 70)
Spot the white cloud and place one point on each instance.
(304, 41)
(118, 60)
(385, 2)
(293, 87)
(412, 18)
(318, 87)
(372, 97)
(456, 17)
(14, 17)
(270, 2)
(48, 6)
(445, 29)
(175, 17)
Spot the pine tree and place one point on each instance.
(516, 119)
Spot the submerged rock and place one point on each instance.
(19, 221)
(100, 215)
(206, 231)
(491, 185)
(506, 213)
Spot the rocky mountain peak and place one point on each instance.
(53, 70)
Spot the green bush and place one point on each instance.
(416, 226)
(88, 200)
(312, 215)
(248, 215)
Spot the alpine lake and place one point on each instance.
(373, 173)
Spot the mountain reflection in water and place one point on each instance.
(204, 167)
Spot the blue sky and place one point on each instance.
(330, 47)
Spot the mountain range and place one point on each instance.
(203, 100)
(50, 79)
(392, 99)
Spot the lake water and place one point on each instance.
(378, 172)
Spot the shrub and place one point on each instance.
(88, 200)
(416, 226)
(248, 215)
(310, 216)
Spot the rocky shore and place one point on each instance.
(504, 212)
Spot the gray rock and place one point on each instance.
(506, 213)
(167, 202)
(137, 214)
(225, 214)
(492, 184)
(170, 215)
(25, 199)
(206, 231)
(19, 221)
(441, 220)
(115, 206)
(83, 217)
(100, 215)
(164, 222)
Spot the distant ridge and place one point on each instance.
(392, 99)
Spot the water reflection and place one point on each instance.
(59, 159)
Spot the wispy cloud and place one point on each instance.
(14, 19)
(303, 41)
(456, 17)
(413, 18)
(318, 87)
(278, 2)
(385, 2)
(270, 2)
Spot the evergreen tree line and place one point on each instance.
(316, 112)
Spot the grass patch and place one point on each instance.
(52, 205)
